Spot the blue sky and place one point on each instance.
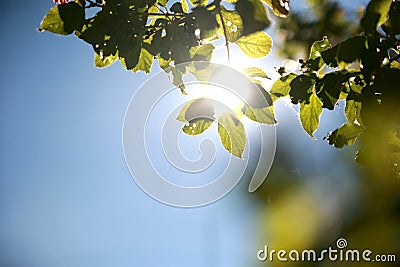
(66, 195)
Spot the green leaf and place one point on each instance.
(205, 19)
(145, 61)
(376, 14)
(258, 97)
(346, 135)
(280, 8)
(104, 61)
(351, 49)
(130, 58)
(182, 114)
(201, 108)
(232, 134)
(185, 6)
(233, 24)
(330, 56)
(256, 45)
(281, 87)
(353, 111)
(255, 72)
(301, 87)
(254, 16)
(177, 8)
(164, 64)
(318, 47)
(177, 79)
(197, 126)
(330, 86)
(310, 113)
(64, 19)
(315, 61)
(201, 52)
(199, 2)
(261, 115)
(198, 115)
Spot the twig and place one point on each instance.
(225, 34)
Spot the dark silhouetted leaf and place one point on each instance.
(301, 88)
(281, 87)
(280, 7)
(177, 8)
(64, 19)
(330, 86)
(254, 16)
(346, 135)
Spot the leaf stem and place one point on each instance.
(225, 33)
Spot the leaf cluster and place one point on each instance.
(364, 72)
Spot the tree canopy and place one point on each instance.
(362, 70)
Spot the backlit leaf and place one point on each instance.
(201, 52)
(197, 126)
(64, 19)
(253, 72)
(104, 61)
(353, 111)
(233, 24)
(261, 115)
(281, 87)
(256, 45)
(310, 113)
(232, 134)
(145, 61)
(346, 135)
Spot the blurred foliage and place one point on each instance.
(302, 211)
(301, 29)
(364, 71)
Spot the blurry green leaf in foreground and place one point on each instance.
(375, 15)
(232, 134)
(280, 7)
